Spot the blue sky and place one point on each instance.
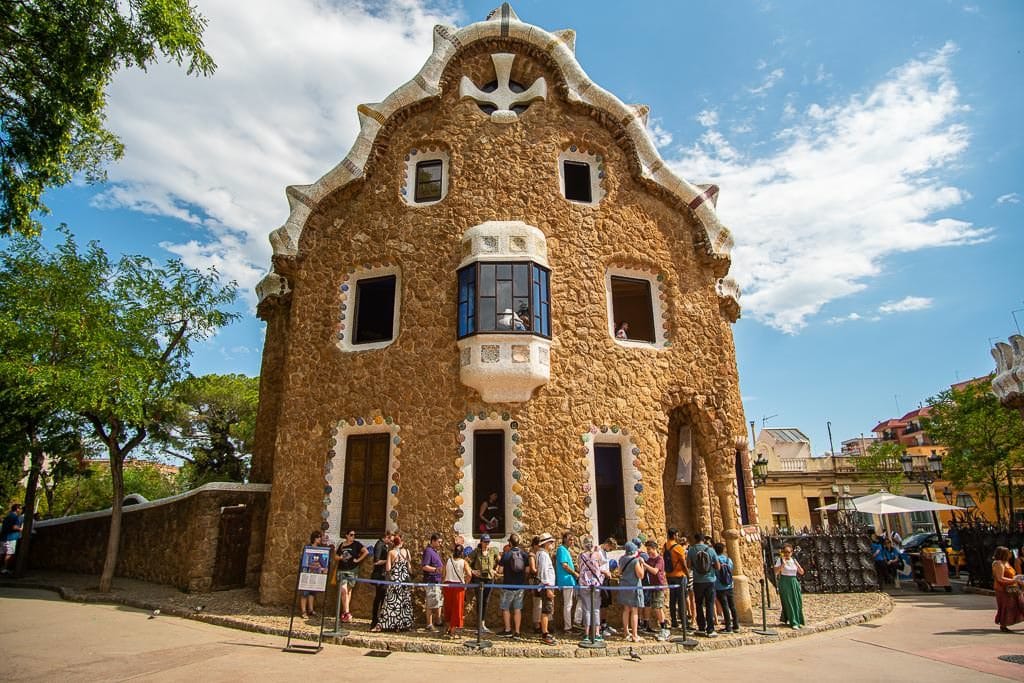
(869, 156)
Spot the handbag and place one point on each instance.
(1013, 589)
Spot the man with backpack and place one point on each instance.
(676, 571)
(723, 590)
(704, 567)
(514, 562)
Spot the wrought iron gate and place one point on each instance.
(839, 562)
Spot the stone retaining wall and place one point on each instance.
(171, 541)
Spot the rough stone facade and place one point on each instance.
(316, 393)
(172, 541)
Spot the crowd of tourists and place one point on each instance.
(566, 585)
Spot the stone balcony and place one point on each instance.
(505, 368)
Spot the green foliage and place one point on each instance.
(57, 58)
(103, 340)
(90, 490)
(881, 466)
(985, 440)
(211, 426)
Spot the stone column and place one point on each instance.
(741, 586)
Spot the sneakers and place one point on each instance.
(506, 634)
(515, 636)
(796, 627)
(609, 630)
(548, 639)
(484, 629)
(711, 634)
(662, 635)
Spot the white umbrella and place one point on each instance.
(885, 503)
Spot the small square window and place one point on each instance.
(428, 180)
(632, 309)
(577, 181)
(375, 310)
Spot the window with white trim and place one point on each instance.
(632, 309)
(375, 310)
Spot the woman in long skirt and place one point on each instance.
(396, 613)
(1007, 589)
(456, 571)
(786, 571)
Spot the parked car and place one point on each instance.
(924, 539)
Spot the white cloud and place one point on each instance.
(848, 185)
(908, 303)
(844, 319)
(820, 76)
(1011, 198)
(971, 9)
(218, 152)
(708, 118)
(659, 136)
(768, 83)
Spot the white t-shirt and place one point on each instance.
(789, 566)
(545, 570)
(455, 571)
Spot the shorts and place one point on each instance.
(656, 599)
(347, 578)
(547, 603)
(512, 599)
(433, 597)
(10, 547)
(308, 594)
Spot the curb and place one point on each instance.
(499, 649)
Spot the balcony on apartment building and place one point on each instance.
(825, 465)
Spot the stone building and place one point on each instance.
(443, 314)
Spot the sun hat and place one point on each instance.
(545, 538)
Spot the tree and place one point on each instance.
(57, 58)
(985, 441)
(91, 490)
(212, 427)
(105, 340)
(881, 466)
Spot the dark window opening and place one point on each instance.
(577, 181)
(489, 483)
(741, 490)
(364, 503)
(632, 305)
(611, 501)
(428, 180)
(513, 86)
(375, 310)
(504, 297)
(812, 507)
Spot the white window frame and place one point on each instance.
(418, 156)
(657, 309)
(335, 475)
(630, 477)
(347, 335)
(594, 161)
(468, 523)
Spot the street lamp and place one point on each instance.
(760, 470)
(927, 476)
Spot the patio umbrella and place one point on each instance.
(885, 503)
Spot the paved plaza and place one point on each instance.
(927, 637)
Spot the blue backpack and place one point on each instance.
(724, 574)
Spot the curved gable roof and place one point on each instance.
(559, 46)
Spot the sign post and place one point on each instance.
(314, 566)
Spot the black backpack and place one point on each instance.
(702, 562)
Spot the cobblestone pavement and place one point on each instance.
(239, 609)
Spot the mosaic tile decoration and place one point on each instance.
(631, 455)
(517, 524)
(363, 425)
(346, 306)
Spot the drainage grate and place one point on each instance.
(378, 653)
(1013, 659)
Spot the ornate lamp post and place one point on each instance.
(760, 470)
(927, 477)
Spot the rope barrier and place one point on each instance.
(503, 586)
